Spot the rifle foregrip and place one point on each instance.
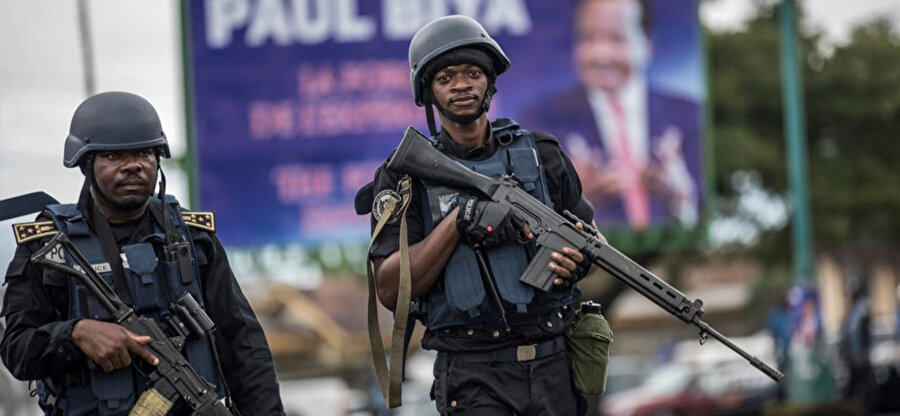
(538, 274)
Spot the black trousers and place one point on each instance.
(541, 387)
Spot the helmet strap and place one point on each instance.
(429, 115)
(90, 181)
(488, 96)
(171, 236)
(84, 198)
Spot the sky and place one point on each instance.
(137, 49)
(835, 18)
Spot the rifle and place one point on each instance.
(173, 378)
(417, 157)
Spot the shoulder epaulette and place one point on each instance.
(28, 231)
(202, 220)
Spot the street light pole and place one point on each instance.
(87, 47)
(795, 133)
(808, 374)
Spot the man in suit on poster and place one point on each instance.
(635, 148)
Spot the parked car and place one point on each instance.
(626, 372)
(673, 389)
(741, 390)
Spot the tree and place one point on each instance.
(853, 107)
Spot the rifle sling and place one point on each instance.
(390, 379)
(111, 253)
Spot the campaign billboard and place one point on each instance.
(295, 103)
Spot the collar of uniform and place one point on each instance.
(466, 152)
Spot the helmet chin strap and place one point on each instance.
(90, 181)
(84, 196)
(429, 115)
(171, 235)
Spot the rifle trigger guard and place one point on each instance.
(520, 239)
(703, 337)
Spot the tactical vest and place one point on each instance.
(153, 284)
(459, 297)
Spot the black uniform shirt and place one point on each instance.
(38, 344)
(565, 193)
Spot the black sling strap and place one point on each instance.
(172, 234)
(111, 252)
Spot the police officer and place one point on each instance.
(58, 334)
(484, 366)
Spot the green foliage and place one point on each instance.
(853, 113)
(852, 98)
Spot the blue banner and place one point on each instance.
(297, 102)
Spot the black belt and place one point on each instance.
(520, 353)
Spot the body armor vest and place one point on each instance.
(153, 284)
(459, 297)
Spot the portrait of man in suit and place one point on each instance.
(635, 146)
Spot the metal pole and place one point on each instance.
(809, 375)
(87, 48)
(795, 133)
(189, 161)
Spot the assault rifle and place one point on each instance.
(417, 157)
(173, 378)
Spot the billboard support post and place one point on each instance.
(188, 162)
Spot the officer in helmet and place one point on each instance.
(59, 335)
(487, 364)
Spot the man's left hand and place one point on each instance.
(569, 263)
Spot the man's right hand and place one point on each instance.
(483, 223)
(109, 345)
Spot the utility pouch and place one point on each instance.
(587, 342)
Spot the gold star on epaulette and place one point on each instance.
(202, 220)
(29, 231)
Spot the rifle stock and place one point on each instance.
(417, 157)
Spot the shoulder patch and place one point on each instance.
(28, 231)
(202, 220)
(379, 205)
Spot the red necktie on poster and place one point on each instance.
(634, 194)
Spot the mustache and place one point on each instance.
(132, 180)
(464, 97)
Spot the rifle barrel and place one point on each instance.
(756, 362)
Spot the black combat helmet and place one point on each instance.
(445, 34)
(112, 121)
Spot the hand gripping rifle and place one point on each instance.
(417, 157)
(173, 378)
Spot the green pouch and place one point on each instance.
(587, 343)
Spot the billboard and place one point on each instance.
(295, 103)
